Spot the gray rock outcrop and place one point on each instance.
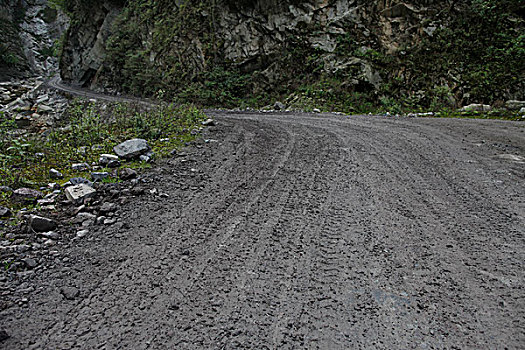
(132, 148)
(42, 224)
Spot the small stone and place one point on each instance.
(79, 192)
(46, 201)
(44, 109)
(49, 242)
(208, 122)
(112, 164)
(49, 235)
(108, 208)
(80, 181)
(110, 221)
(100, 220)
(5, 212)
(127, 173)
(279, 106)
(131, 148)
(53, 186)
(42, 224)
(55, 174)
(522, 111)
(3, 335)
(145, 158)
(82, 233)
(70, 293)
(31, 263)
(80, 166)
(106, 158)
(84, 219)
(316, 110)
(99, 176)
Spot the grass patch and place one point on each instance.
(89, 130)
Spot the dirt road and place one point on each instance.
(300, 231)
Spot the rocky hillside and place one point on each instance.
(30, 32)
(340, 54)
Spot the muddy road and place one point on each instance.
(299, 231)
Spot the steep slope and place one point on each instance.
(29, 37)
(351, 53)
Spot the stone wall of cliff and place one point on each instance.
(30, 32)
(226, 52)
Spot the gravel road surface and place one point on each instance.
(301, 231)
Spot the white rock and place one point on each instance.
(82, 233)
(79, 192)
(80, 166)
(208, 122)
(55, 174)
(106, 158)
(131, 148)
(475, 107)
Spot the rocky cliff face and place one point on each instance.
(30, 32)
(378, 48)
(84, 50)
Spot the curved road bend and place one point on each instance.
(300, 231)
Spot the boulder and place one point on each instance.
(27, 195)
(42, 224)
(131, 148)
(79, 193)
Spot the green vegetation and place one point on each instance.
(10, 54)
(478, 57)
(476, 54)
(25, 159)
(7, 57)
